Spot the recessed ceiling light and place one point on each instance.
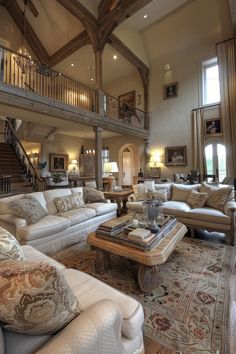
(145, 16)
(91, 79)
(71, 64)
(115, 57)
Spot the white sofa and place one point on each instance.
(109, 322)
(220, 219)
(55, 231)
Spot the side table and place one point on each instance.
(119, 197)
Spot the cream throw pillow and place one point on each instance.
(161, 195)
(141, 191)
(217, 197)
(69, 202)
(35, 298)
(92, 195)
(9, 246)
(196, 199)
(182, 192)
(29, 209)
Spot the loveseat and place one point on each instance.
(48, 309)
(78, 212)
(198, 206)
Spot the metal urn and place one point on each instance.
(151, 212)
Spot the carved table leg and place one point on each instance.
(102, 263)
(148, 278)
(119, 207)
(124, 207)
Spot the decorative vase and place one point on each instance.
(151, 212)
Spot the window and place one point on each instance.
(215, 156)
(105, 155)
(210, 82)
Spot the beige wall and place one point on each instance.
(181, 40)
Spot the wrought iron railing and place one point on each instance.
(20, 71)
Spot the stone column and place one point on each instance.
(98, 156)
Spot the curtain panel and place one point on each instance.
(198, 157)
(227, 72)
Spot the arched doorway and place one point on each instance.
(129, 163)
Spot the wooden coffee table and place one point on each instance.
(148, 261)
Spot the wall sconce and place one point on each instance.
(90, 152)
(167, 67)
(155, 171)
(155, 159)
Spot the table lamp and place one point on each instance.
(110, 168)
(74, 162)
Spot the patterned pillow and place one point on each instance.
(92, 195)
(69, 202)
(161, 195)
(35, 298)
(140, 191)
(29, 209)
(196, 199)
(9, 246)
(182, 192)
(217, 197)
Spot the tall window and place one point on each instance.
(210, 82)
(215, 155)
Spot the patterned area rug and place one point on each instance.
(188, 311)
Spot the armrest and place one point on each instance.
(230, 207)
(96, 330)
(131, 198)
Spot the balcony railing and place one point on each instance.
(20, 71)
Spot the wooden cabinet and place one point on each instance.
(87, 165)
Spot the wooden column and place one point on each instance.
(146, 157)
(98, 69)
(98, 156)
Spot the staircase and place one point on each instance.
(10, 165)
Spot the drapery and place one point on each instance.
(227, 72)
(198, 141)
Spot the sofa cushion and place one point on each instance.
(9, 247)
(36, 298)
(33, 255)
(196, 199)
(76, 190)
(50, 224)
(90, 290)
(51, 194)
(79, 215)
(29, 209)
(182, 192)
(140, 191)
(211, 215)
(166, 186)
(92, 195)
(4, 204)
(102, 208)
(217, 197)
(176, 208)
(40, 198)
(69, 202)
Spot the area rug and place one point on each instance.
(188, 312)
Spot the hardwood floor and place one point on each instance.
(152, 347)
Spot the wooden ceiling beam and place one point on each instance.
(87, 19)
(28, 31)
(76, 43)
(105, 6)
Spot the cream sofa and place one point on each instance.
(55, 231)
(221, 218)
(109, 322)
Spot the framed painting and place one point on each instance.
(127, 106)
(176, 156)
(212, 127)
(58, 162)
(171, 90)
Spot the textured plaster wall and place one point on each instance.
(182, 40)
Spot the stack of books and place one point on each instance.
(112, 227)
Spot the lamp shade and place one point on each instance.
(110, 167)
(155, 159)
(74, 162)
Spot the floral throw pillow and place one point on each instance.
(92, 195)
(35, 298)
(217, 197)
(29, 209)
(196, 199)
(69, 202)
(9, 247)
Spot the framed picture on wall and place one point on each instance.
(58, 162)
(212, 127)
(176, 156)
(171, 90)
